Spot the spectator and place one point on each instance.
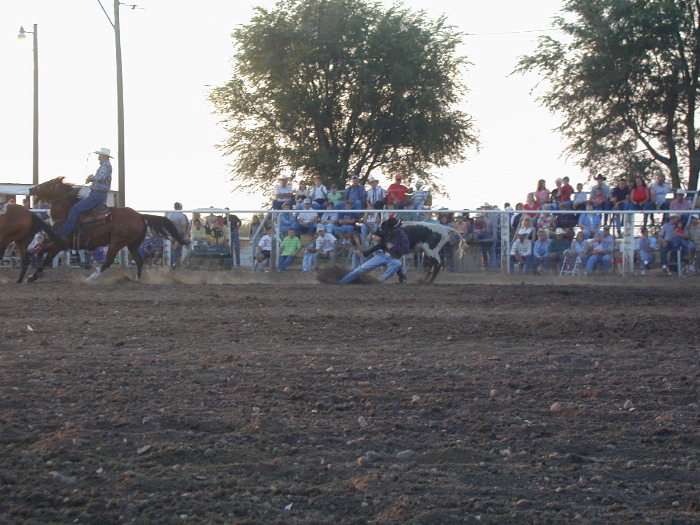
(644, 250)
(307, 262)
(565, 192)
(317, 194)
(334, 195)
(254, 225)
(427, 217)
(289, 248)
(680, 203)
(640, 198)
(220, 233)
(488, 243)
(264, 249)
(390, 207)
(577, 248)
(677, 239)
(580, 198)
(301, 195)
(396, 192)
(659, 190)
(234, 225)
(420, 196)
(619, 199)
(307, 219)
(516, 218)
(541, 194)
(555, 194)
(666, 239)
(286, 219)
(326, 247)
(355, 194)
(329, 219)
(547, 221)
(589, 223)
(531, 204)
(151, 249)
(600, 250)
(540, 250)
(376, 194)
(556, 249)
(39, 204)
(526, 224)
(198, 235)
(370, 222)
(521, 252)
(283, 193)
(600, 196)
(347, 220)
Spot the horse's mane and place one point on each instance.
(66, 190)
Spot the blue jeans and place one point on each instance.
(236, 244)
(285, 262)
(94, 199)
(379, 259)
(605, 260)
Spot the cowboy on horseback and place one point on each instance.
(101, 182)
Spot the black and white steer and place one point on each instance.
(429, 238)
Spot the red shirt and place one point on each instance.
(566, 191)
(397, 192)
(531, 207)
(639, 195)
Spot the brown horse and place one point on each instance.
(123, 227)
(19, 225)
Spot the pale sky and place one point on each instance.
(174, 50)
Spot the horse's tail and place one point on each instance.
(43, 226)
(164, 226)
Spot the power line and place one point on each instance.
(514, 32)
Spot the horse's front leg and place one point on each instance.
(45, 258)
(112, 252)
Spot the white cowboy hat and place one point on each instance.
(104, 151)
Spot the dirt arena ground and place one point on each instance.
(194, 397)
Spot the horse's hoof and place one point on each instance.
(30, 279)
(94, 275)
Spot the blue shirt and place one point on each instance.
(541, 247)
(102, 179)
(355, 193)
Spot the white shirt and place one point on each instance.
(325, 243)
(307, 217)
(281, 190)
(266, 243)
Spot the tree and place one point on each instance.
(342, 87)
(625, 80)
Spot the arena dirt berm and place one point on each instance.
(270, 398)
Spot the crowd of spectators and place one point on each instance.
(324, 220)
(544, 242)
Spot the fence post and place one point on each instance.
(628, 244)
(505, 241)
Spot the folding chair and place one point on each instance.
(570, 264)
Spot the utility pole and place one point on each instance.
(121, 190)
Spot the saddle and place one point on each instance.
(94, 217)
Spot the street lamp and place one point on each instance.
(22, 35)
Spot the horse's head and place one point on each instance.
(51, 190)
